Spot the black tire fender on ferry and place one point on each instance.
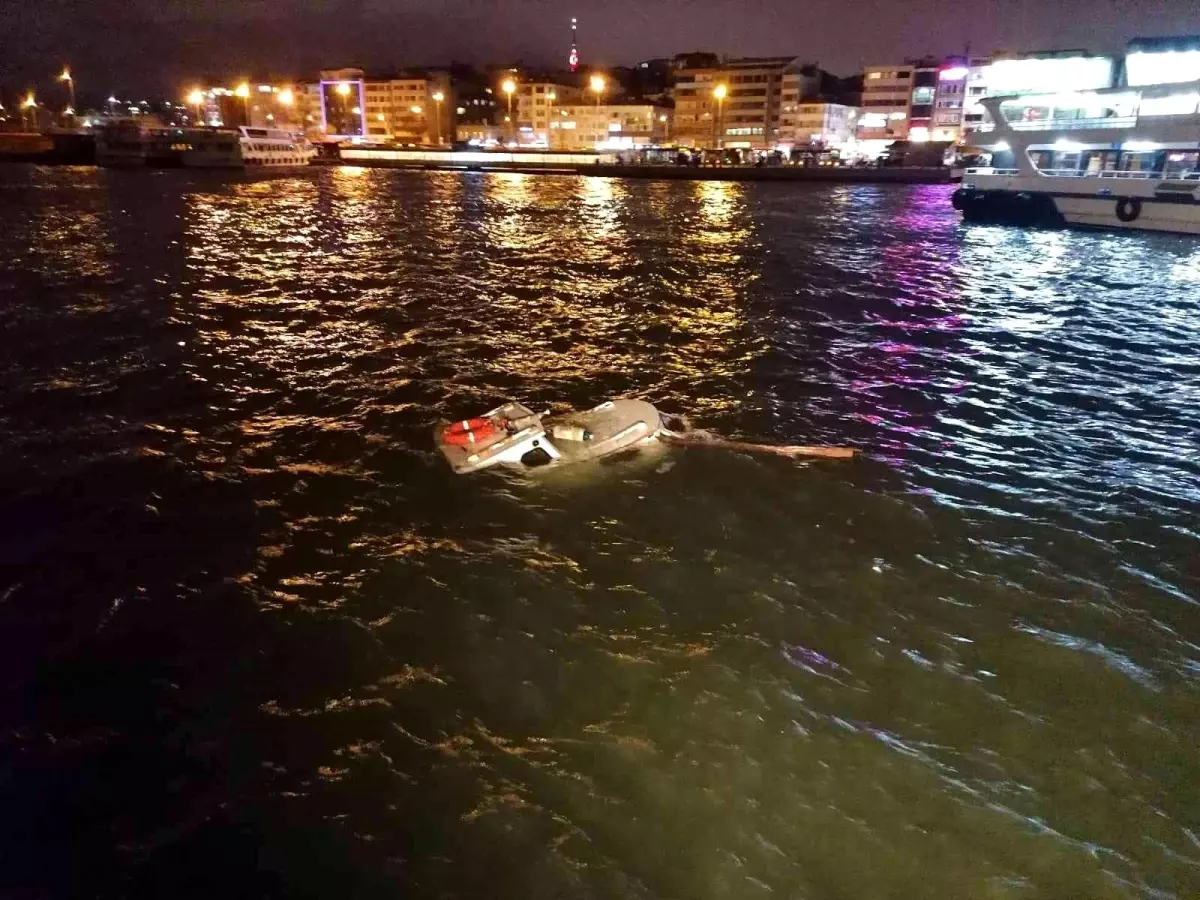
(956, 199)
(1129, 208)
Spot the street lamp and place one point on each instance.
(196, 99)
(286, 98)
(31, 104)
(596, 83)
(417, 111)
(551, 96)
(243, 91)
(66, 76)
(343, 89)
(112, 102)
(438, 97)
(509, 87)
(720, 92)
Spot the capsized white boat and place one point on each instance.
(514, 435)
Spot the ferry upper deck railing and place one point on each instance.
(1191, 175)
(1064, 124)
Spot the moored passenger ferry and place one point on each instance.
(1115, 158)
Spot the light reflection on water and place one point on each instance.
(268, 625)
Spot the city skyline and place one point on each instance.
(154, 48)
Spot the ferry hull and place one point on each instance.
(1004, 207)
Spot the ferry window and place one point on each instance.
(1180, 164)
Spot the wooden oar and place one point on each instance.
(792, 451)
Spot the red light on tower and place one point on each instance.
(573, 59)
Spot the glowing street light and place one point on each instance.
(243, 91)
(286, 98)
(597, 84)
(343, 89)
(66, 76)
(551, 96)
(509, 87)
(720, 92)
(438, 97)
(196, 99)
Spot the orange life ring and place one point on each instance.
(469, 431)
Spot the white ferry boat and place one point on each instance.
(1113, 158)
(247, 148)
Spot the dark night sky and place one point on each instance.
(156, 46)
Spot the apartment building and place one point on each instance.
(949, 100)
(817, 122)
(924, 94)
(974, 91)
(886, 98)
(911, 101)
(415, 106)
(735, 103)
(615, 126)
(537, 103)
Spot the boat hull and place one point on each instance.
(1175, 214)
(513, 435)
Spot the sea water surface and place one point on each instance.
(256, 640)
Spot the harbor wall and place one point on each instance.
(826, 174)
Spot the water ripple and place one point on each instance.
(256, 630)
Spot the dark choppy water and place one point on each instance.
(258, 641)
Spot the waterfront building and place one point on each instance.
(949, 100)
(734, 103)
(481, 134)
(415, 106)
(976, 90)
(817, 123)
(540, 100)
(884, 108)
(609, 126)
(476, 102)
(924, 92)
(920, 100)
